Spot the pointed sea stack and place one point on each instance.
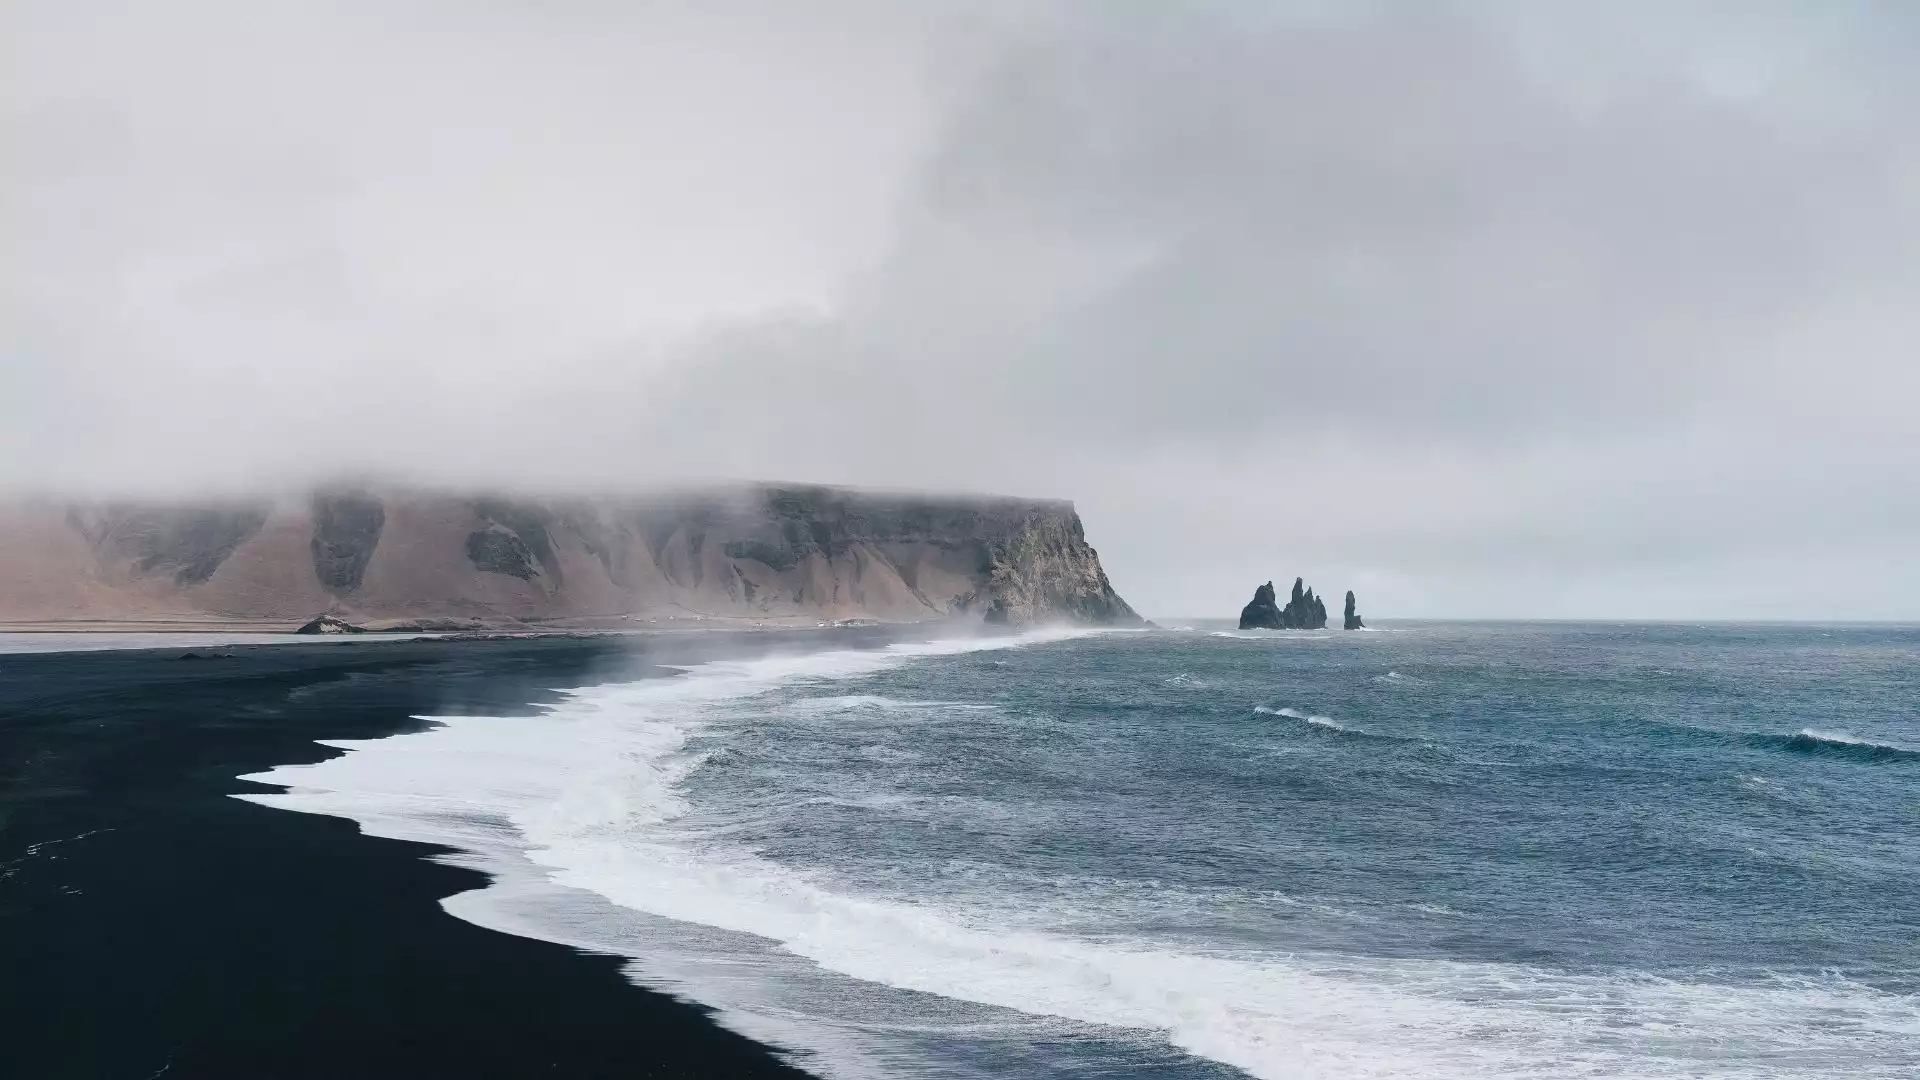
(1352, 619)
(1263, 613)
(1304, 611)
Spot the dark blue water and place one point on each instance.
(1443, 850)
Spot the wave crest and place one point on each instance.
(1842, 744)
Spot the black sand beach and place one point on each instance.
(150, 925)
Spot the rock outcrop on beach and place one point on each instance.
(1351, 620)
(1304, 610)
(329, 624)
(376, 558)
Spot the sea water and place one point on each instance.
(1440, 850)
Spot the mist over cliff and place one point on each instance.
(374, 556)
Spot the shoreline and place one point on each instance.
(437, 628)
(164, 926)
(548, 627)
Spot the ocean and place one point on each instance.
(1434, 850)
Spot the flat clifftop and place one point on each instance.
(374, 556)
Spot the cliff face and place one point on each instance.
(775, 552)
(1043, 569)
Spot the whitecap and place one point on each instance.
(1291, 713)
(580, 816)
(1842, 738)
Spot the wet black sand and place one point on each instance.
(150, 925)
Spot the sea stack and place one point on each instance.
(1304, 611)
(1263, 612)
(1351, 620)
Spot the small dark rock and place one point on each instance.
(1351, 620)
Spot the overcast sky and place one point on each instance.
(1480, 309)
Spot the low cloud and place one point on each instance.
(1471, 309)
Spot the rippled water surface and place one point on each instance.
(1443, 850)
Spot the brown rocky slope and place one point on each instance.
(405, 556)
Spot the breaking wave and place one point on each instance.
(584, 817)
(1327, 722)
(1329, 726)
(1842, 745)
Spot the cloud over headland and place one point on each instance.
(1488, 308)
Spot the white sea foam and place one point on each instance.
(1842, 738)
(838, 707)
(1295, 714)
(1836, 737)
(1317, 721)
(588, 797)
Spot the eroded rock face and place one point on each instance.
(1044, 570)
(1014, 562)
(1351, 620)
(501, 551)
(516, 540)
(346, 529)
(188, 544)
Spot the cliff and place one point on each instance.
(374, 557)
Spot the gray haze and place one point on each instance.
(1479, 309)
